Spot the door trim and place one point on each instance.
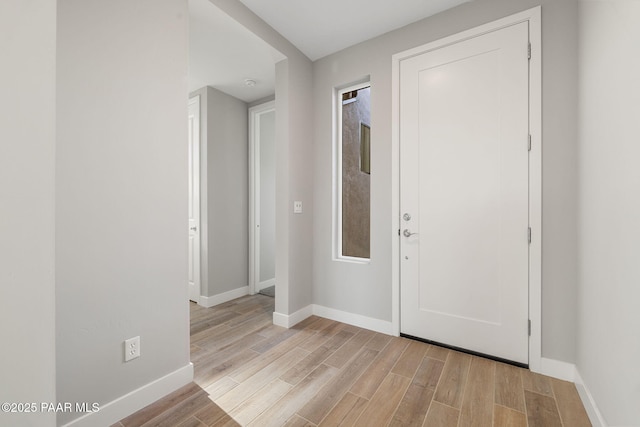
(196, 176)
(254, 192)
(533, 16)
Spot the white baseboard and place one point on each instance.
(550, 367)
(266, 284)
(293, 319)
(126, 405)
(558, 369)
(596, 418)
(358, 320)
(569, 372)
(224, 297)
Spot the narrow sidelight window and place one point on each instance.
(353, 149)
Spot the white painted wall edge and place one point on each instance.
(214, 300)
(126, 405)
(266, 284)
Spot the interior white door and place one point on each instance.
(464, 194)
(262, 189)
(194, 199)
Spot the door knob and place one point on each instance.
(408, 233)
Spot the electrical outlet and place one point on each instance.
(131, 348)
(297, 207)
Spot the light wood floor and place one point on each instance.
(323, 373)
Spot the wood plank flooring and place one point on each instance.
(249, 372)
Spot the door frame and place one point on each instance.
(533, 17)
(195, 175)
(254, 191)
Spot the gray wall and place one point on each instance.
(608, 317)
(27, 158)
(267, 196)
(224, 194)
(366, 289)
(117, 133)
(294, 181)
(121, 199)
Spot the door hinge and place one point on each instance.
(529, 51)
(529, 234)
(529, 144)
(529, 327)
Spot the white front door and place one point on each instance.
(194, 199)
(464, 183)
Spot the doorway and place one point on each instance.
(194, 199)
(262, 217)
(468, 191)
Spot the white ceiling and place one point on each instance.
(223, 53)
(321, 27)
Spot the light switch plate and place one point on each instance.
(297, 207)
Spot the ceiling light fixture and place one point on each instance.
(250, 82)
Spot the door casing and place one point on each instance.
(254, 192)
(195, 290)
(533, 16)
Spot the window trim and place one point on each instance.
(337, 173)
